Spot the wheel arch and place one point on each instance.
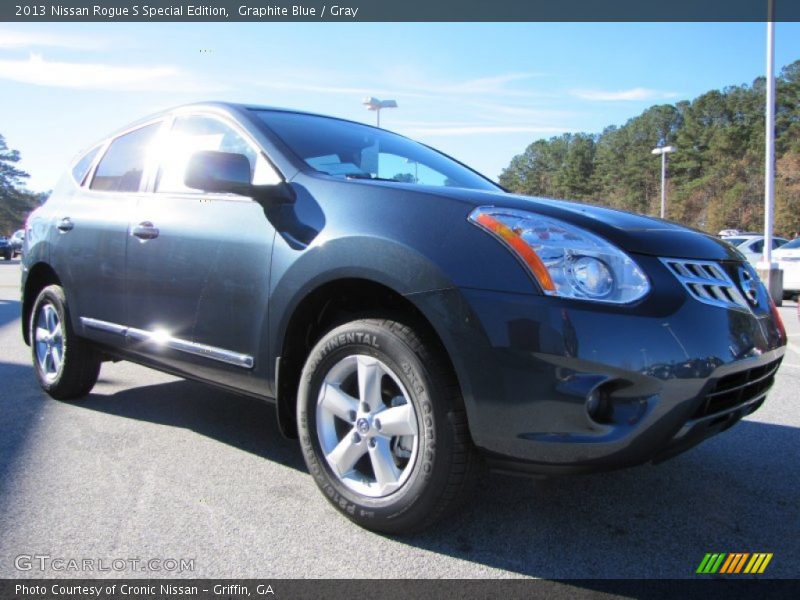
(39, 277)
(330, 304)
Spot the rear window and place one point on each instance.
(793, 244)
(82, 166)
(734, 241)
(121, 169)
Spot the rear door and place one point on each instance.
(198, 263)
(91, 227)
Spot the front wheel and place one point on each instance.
(66, 366)
(383, 428)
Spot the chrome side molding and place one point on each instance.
(165, 340)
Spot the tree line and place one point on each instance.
(16, 202)
(715, 178)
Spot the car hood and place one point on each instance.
(631, 232)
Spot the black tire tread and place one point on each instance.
(81, 360)
(466, 465)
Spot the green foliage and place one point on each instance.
(15, 201)
(405, 178)
(716, 178)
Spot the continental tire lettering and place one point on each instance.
(427, 421)
(348, 338)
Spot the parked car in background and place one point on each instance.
(6, 251)
(752, 246)
(16, 240)
(410, 320)
(788, 258)
(728, 233)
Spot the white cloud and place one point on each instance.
(408, 85)
(38, 71)
(633, 94)
(10, 38)
(493, 85)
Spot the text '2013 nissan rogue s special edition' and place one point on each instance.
(410, 320)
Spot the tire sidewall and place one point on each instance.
(420, 491)
(55, 296)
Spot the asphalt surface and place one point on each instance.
(154, 467)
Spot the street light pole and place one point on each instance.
(768, 271)
(372, 103)
(663, 151)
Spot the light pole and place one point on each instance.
(374, 104)
(769, 272)
(663, 151)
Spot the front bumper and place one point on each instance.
(667, 373)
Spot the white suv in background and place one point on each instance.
(752, 246)
(788, 258)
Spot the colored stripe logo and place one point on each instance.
(731, 563)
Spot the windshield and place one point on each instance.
(354, 151)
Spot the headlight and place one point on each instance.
(565, 260)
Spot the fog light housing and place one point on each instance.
(597, 406)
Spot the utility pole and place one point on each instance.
(769, 272)
(663, 151)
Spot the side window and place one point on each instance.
(120, 170)
(196, 133)
(82, 166)
(757, 247)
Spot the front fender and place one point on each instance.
(389, 263)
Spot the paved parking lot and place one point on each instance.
(151, 466)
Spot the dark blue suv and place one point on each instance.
(410, 320)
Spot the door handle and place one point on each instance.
(65, 225)
(145, 231)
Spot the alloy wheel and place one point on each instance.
(367, 426)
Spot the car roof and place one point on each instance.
(229, 108)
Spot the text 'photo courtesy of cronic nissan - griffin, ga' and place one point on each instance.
(412, 322)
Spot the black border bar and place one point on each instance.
(401, 589)
(398, 10)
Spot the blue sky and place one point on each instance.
(480, 92)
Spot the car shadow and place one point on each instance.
(732, 493)
(737, 492)
(245, 423)
(9, 311)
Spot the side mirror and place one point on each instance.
(228, 172)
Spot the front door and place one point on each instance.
(198, 264)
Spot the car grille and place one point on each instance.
(707, 282)
(739, 388)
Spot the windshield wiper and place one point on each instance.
(368, 176)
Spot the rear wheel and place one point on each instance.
(383, 428)
(66, 366)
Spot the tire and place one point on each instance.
(408, 471)
(66, 366)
